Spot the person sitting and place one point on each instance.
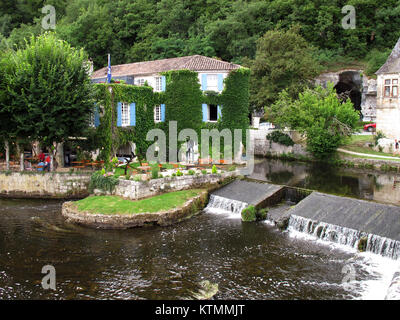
(40, 166)
(41, 156)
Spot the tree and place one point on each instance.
(50, 91)
(284, 60)
(319, 115)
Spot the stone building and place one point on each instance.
(388, 103)
(360, 89)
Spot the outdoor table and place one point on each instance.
(144, 168)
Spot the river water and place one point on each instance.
(246, 260)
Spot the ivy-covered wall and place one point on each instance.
(112, 136)
(183, 100)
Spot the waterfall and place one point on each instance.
(219, 204)
(345, 236)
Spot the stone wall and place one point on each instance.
(44, 185)
(263, 147)
(135, 190)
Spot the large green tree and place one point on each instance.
(49, 90)
(284, 60)
(320, 115)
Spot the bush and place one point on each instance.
(249, 214)
(155, 172)
(379, 135)
(214, 169)
(262, 214)
(204, 171)
(191, 172)
(281, 138)
(102, 182)
(179, 173)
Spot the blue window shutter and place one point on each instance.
(163, 83)
(119, 114)
(133, 114)
(96, 116)
(205, 112)
(204, 82)
(220, 82)
(219, 112)
(163, 113)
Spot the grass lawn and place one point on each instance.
(117, 205)
(357, 143)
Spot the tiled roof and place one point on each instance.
(194, 63)
(392, 64)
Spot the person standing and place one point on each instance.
(47, 162)
(41, 156)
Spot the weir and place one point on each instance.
(360, 224)
(356, 223)
(239, 194)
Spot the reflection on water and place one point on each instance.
(247, 261)
(381, 187)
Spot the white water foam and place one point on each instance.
(231, 208)
(375, 267)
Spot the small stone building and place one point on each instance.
(388, 103)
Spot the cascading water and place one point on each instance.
(346, 236)
(219, 204)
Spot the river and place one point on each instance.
(246, 260)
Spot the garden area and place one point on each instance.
(117, 205)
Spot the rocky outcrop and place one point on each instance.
(125, 221)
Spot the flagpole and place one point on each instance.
(109, 69)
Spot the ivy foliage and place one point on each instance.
(183, 98)
(111, 136)
(235, 101)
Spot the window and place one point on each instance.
(158, 84)
(157, 114)
(125, 115)
(212, 82)
(391, 88)
(212, 112)
(140, 82)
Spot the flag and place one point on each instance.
(109, 69)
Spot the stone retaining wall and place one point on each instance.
(44, 185)
(126, 221)
(135, 190)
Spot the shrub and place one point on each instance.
(262, 214)
(174, 174)
(362, 244)
(249, 214)
(179, 173)
(204, 171)
(191, 172)
(155, 172)
(102, 182)
(281, 138)
(232, 168)
(214, 169)
(379, 135)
